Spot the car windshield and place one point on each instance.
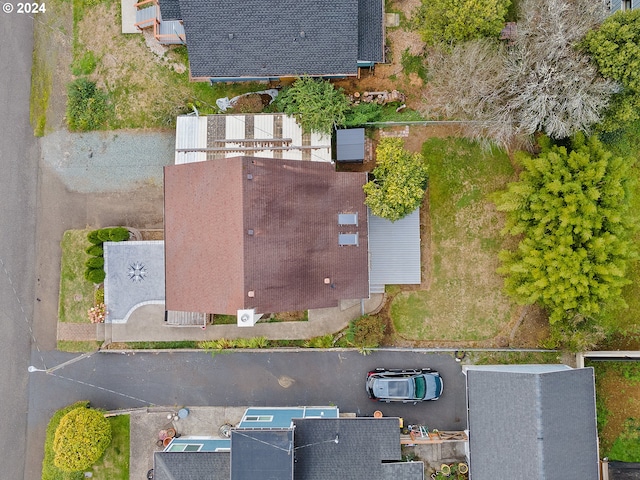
(421, 387)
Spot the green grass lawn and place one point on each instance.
(464, 299)
(76, 293)
(114, 464)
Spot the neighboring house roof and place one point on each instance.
(276, 38)
(624, 471)
(531, 425)
(371, 30)
(267, 38)
(134, 277)
(362, 448)
(264, 453)
(249, 232)
(191, 466)
(362, 445)
(394, 251)
(272, 135)
(170, 9)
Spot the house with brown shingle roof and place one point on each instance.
(263, 234)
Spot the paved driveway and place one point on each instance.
(111, 381)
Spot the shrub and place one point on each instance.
(400, 181)
(94, 262)
(94, 275)
(94, 250)
(449, 21)
(369, 331)
(118, 234)
(363, 113)
(49, 470)
(98, 296)
(112, 234)
(363, 333)
(104, 234)
(87, 106)
(325, 341)
(94, 238)
(316, 104)
(80, 439)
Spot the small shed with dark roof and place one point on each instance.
(350, 145)
(263, 234)
(532, 422)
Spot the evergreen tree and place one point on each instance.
(572, 209)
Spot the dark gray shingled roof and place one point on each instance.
(266, 454)
(191, 466)
(532, 425)
(170, 10)
(371, 30)
(363, 444)
(262, 38)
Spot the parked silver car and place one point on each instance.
(404, 385)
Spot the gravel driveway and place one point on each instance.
(97, 162)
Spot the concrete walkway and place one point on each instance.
(80, 332)
(147, 324)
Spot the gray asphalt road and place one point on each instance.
(18, 180)
(241, 378)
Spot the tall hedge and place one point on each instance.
(80, 439)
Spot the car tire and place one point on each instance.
(379, 370)
(426, 370)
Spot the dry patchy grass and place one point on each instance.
(462, 299)
(76, 293)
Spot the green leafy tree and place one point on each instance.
(81, 438)
(450, 21)
(400, 180)
(571, 208)
(315, 103)
(615, 48)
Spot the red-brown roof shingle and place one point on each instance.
(266, 226)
